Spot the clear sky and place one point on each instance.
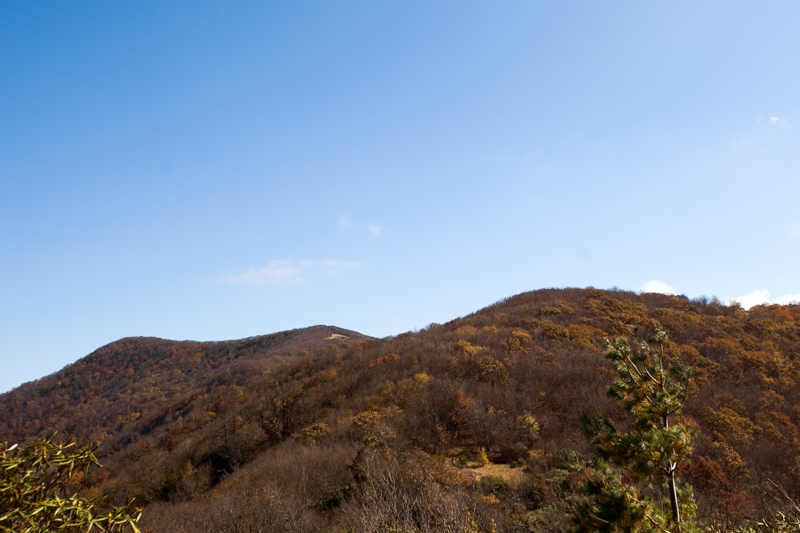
(218, 170)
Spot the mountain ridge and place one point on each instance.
(98, 374)
(365, 432)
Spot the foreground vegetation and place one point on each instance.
(37, 493)
(475, 425)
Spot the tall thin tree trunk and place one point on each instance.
(673, 500)
(673, 492)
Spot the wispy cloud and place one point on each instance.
(773, 121)
(288, 272)
(346, 221)
(658, 286)
(763, 297)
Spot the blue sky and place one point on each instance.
(200, 170)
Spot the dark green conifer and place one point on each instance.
(653, 387)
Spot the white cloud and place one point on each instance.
(658, 286)
(788, 299)
(287, 272)
(781, 122)
(344, 221)
(376, 230)
(762, 297)
(753, 298)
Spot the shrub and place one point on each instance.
(482, 459)
(315, 432)
(495, 485)
(467, 348)
(35, 495)
(492, 370)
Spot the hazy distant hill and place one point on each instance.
(292, 432)
(131, 383)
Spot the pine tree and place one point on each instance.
(653, 387)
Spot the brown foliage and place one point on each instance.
(229, 435)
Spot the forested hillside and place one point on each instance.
(132, 386)
(473, 425)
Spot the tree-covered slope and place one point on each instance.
(128, 386)
(390, 433)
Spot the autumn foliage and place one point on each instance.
(389, 434)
